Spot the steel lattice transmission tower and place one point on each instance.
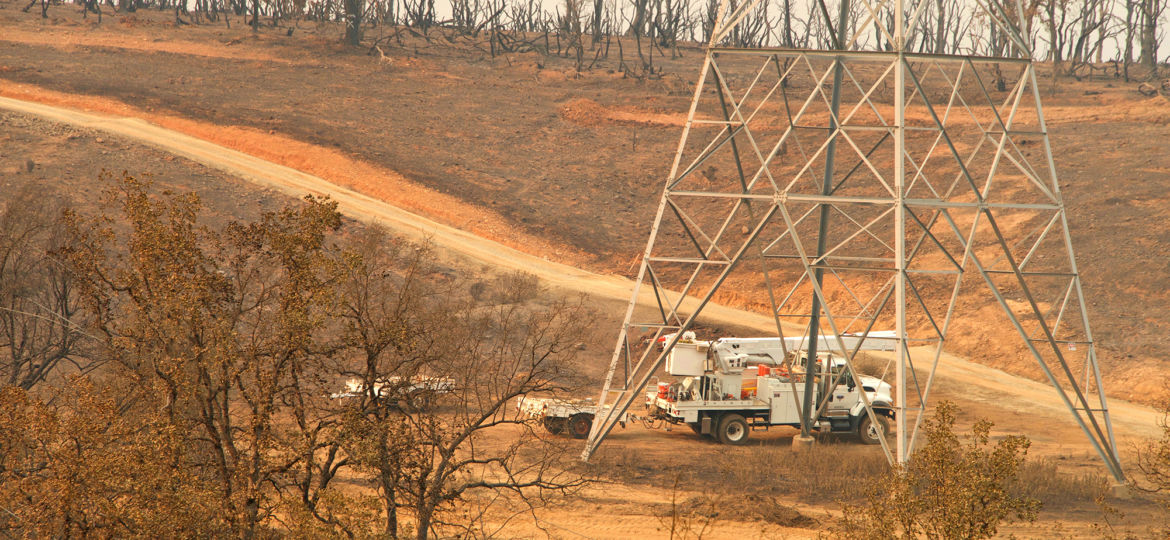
(855, 189)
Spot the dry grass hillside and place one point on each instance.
(524, 150)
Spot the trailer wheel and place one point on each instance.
(870, 433)
(579, 425)
(733, 429)
(554, 425)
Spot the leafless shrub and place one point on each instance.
(829, 472)
(871, 365)
(1041, 479)
(691, 518)
(515, 288)
(625, 467)
(40, 311)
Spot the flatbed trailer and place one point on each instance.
(574, 416)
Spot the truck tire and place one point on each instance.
(420, 400)
(733, 429)
(554, 425)
(580, 424)
(869, 433)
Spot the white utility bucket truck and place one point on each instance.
(727, 387)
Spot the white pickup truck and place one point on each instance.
(415, 392)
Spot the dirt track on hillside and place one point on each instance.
(358, 206)
(569, 166)
(982, 383)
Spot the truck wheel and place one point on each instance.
(554, 425)
(420, 400)
(869, 433)
(733, 429)
(579, 425)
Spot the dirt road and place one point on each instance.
(978, 382)
(361, 207)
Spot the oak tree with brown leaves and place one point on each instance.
(216, 412)
(949, 489)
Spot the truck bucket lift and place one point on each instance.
(867, 186)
